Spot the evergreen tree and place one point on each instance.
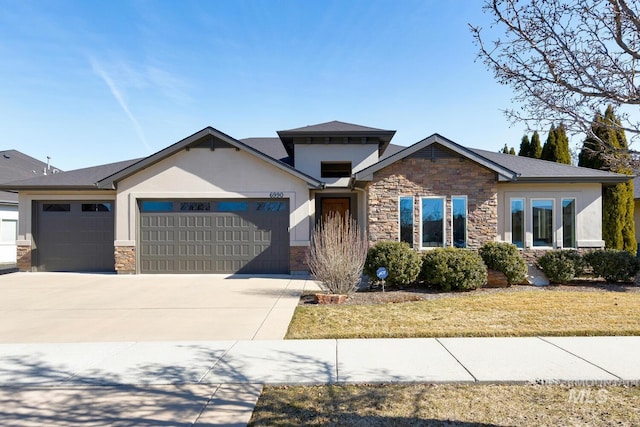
(512, 151)
(525, 147)
(505, 150)
(562, 141)
(550, 148)
(536, 147)
(611, 153)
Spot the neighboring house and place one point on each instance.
(14, 165)
(213, 204)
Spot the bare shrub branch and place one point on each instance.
(337, 254)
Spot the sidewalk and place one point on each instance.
(218, 382)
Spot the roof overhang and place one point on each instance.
(382, 137)
(503, 173)
(111, 181)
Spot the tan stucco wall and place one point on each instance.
(308, 158)
(203, 174)
(588, 210)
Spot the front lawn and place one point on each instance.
(534, 312)
(449, 404)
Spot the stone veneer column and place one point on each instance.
(125, 258)
(23, 256)
(298, 259)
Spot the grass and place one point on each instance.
(449, 404)
(525, 313)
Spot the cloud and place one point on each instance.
(118, 95)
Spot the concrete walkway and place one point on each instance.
(218, 382)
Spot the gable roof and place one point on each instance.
(508, 167)
(14, 166)
(77, 179)
(111, 180)
(537, 170)
(504, 173)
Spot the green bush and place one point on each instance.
(561, 266)
(613, 265)
(504, 257)
(453, 269)
(402, 262)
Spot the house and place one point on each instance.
(14, 165)
(213, 204)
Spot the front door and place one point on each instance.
(340, 205)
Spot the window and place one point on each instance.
(432, 216)
(195, 206)
(271, 206)
(569, 223)
(56, 207)
(9, 230)
(542, 214)
(517, 222)
(233, 206)
(335, 169)
(406, 219)
(96, 207)
(156, 206)
(459, 221)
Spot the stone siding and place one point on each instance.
(444, 177)
(23, 258)
(125, 258)
(298, 259)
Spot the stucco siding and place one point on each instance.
(588, 210)
(308, 158)
(205, 174)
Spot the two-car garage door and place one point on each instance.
(214, 236)
(175, 236)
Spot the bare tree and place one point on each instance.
(565, 60)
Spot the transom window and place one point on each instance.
(335, 169)
(432, 222)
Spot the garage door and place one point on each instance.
(74, 236)
(245, 236)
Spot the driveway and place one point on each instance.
(72, 307)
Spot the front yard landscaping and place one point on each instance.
(448, 404)
(589, 309)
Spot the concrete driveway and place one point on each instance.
(71, 307)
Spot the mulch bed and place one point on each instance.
(375, 295)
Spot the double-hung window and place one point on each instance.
(432, 225)
(459, 221)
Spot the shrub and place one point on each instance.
(504, 257)
(402, 262)
(561, 266)
(337, 254)
(613, 265)
(453, 269)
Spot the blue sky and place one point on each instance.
(89, 82)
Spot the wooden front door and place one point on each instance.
(340, 205)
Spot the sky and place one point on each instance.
(95, 82)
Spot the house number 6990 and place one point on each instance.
(276, 194)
